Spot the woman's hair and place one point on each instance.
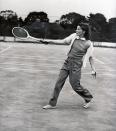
(85, 27)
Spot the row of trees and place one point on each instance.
(38, 22)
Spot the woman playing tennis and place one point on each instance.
(81, 49)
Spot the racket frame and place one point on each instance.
(28, 36)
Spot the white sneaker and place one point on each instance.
(49, 107)
(87, 104)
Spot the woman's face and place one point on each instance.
(79, 31)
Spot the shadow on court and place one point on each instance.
(27, 76)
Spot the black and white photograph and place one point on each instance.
(57, 65)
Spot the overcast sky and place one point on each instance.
(56, 8)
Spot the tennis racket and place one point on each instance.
(22, 33)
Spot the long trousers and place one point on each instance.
(72, 68)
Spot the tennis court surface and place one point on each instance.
(27, 76)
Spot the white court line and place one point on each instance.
(43, 59)
(5, 49)
(99, 61)
(52, 71)
(47, 58)
(32, 58)
(111, 70)
(27, 70)
(28, 65)
(40, 58)
(103, 63)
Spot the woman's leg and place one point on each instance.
(74, 78)
(58, 86)
(64, 72)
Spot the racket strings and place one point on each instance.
(20, 32)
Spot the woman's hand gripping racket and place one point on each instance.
(22, 33)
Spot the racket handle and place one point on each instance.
(44, 42)
(36, 39)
